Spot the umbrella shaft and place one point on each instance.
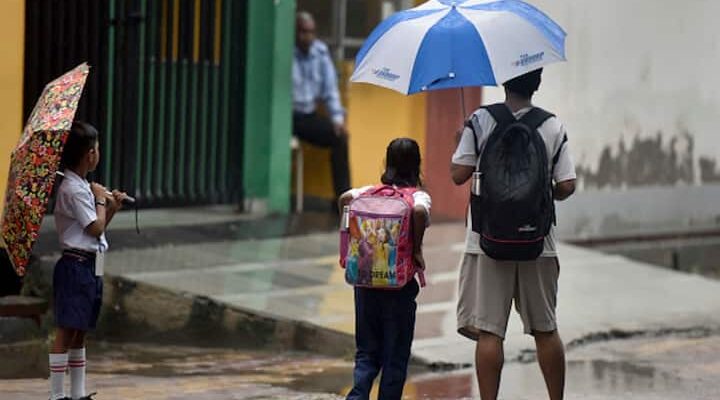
(127, 199)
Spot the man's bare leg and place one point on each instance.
(489, 359)
(551, 357)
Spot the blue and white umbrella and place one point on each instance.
(456, 43)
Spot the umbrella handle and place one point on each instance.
(126, 200)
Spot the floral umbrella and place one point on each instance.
(34, 163)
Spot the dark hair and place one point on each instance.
(402, 163)
(80, 141)
(525, 85)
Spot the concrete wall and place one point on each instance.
(444, 117)
(639, 97)
(12, 44)
(268, 111)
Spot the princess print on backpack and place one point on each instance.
(379, 242)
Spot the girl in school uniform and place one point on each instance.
(385, 319)
(83, 211)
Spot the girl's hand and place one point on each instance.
(112, 204)
(119, 197)
(99, 191)
(419, 260)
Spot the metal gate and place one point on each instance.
(166, 89)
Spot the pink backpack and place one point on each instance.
(376, 240)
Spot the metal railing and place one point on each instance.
(164, 90)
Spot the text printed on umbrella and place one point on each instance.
(385, 73)
(527, 59)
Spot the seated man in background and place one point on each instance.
(314, 81)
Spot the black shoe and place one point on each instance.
(88, 397)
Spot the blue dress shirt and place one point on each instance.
(314, 80)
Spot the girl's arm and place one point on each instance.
(97, 227)
(114, 205)
(419, 224)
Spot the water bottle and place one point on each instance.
(345, 220)
(344, 233)
(476, 183)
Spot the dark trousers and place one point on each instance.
(10, 282)
(384, 328)
(320, 131)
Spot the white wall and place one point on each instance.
(636, 67)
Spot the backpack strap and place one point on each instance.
(555, 160)
(535, 118)
(499, 112)
(408, 193)
(556, 157)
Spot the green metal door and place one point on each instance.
(166, 90)
(169, 136)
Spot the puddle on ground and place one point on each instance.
(592, 375)
(591, 379)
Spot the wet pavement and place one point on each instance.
(172, 373)
(641, 368)
(644, 368)
(602, 297)
(298, 278)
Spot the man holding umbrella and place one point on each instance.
(518, 169)
(489, 286)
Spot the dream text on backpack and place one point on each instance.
(376, 244)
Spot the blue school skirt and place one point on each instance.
(77, 291)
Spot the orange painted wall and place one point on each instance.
(444, 117)
(12, 46)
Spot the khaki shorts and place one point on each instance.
(488, 287)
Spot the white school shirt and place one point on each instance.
(75, 211)
(552, 132)
(420, 197)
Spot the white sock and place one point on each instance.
(58, 367)
(77, 373)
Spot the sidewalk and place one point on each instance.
(297, 278)
(643, 368)
(173, 373)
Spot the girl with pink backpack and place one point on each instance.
(381, 250)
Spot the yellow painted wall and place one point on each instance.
(375, 117)
(12, 45)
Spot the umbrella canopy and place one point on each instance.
(34, 163)
(457, 43)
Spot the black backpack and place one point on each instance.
(514, 210)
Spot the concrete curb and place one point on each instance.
(135, 311)
(24, 359)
